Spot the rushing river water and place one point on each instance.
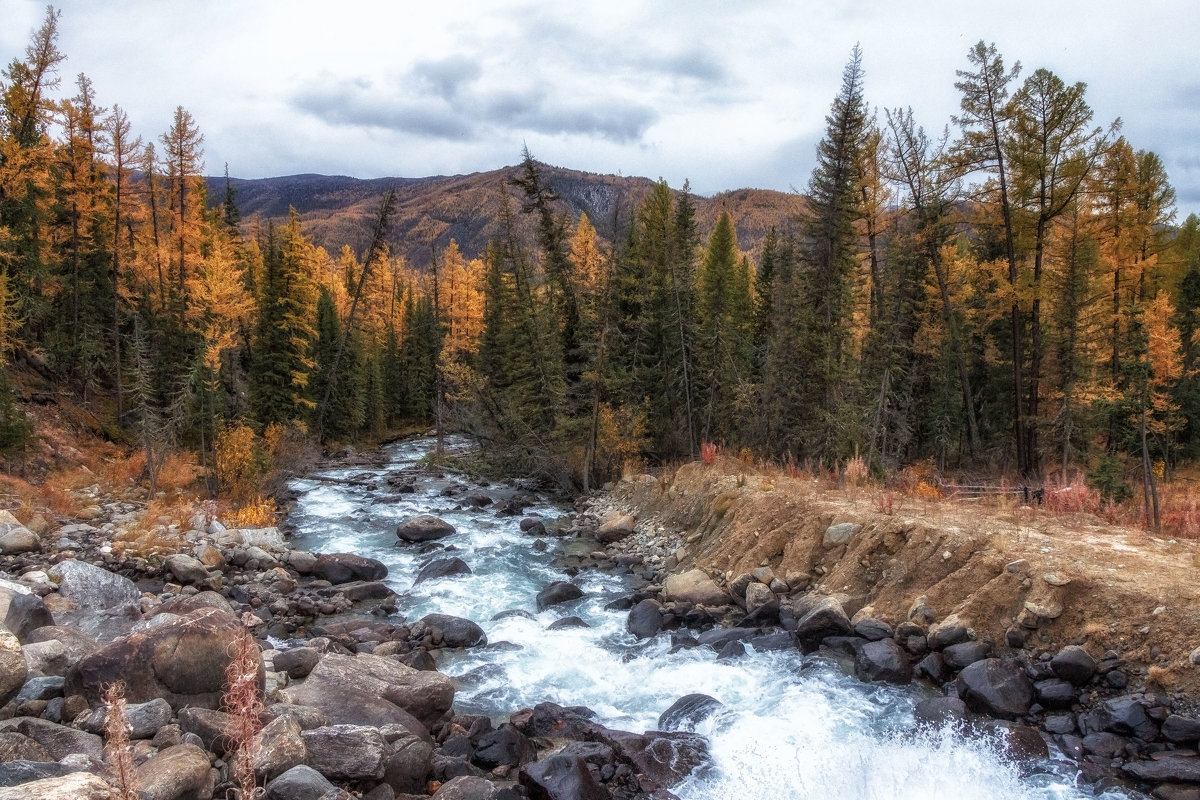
(793, 726)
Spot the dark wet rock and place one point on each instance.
(874, 629)
(846, 645)
(1185, 770)
(182, 661)
(1055, 693)
(442, 568)
(665, 757)
(996, 687)
(687, 711)
(567, 622)
(409, 762)
(1059, 723)
(455, 631)
(883, 660)
(423, 528)
(1073, 664)
(1021, 743)
(734, 649)
(533, 527)
(301, 783)
(297, 662)
(1126, 716)
(964, 654)
(825, 618)
(346, 752)
(346, 567)
(1104, 744)
(561, 777)
(505, 746)
(418, 659)
(553, 721)
(933, 669)
(717, 638)
(181, 772)
(1180, 729)
(645, 619)
(777, 641)
(939, 710)
(556, 593)
(512, 612)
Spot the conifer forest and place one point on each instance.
(1012, 295)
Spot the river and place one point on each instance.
(793, 726)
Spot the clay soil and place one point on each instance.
(1057, 578)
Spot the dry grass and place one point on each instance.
(243, 700)
(116, 743)
(159, 531)
(261, 512)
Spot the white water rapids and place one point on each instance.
(793, 726)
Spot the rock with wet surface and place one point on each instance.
(423, 528)
(561, 777)
(689, 710)
(645, 619)
(442, 568)
(556, 593)
(883, 660)
(996, 687)
(455, 631)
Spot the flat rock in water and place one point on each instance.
(442, 568)
(423, 528)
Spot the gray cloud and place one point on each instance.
(349, 103)
(447, 76)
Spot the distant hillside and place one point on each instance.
(431, 211)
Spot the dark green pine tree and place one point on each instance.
(283, 336)
(418, 358)
(830, 263)
(391, 377)
(324, 348)
(724, 350)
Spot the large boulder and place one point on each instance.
(182, 661)
(26, 613)
(91, 587)
(455, 631)
(665, 757)
(346, 567)
(556, 593)
(996, 687)
(216, 729)
(821, 618)
(181, 772)
(883, 660)
(687, 711)
(297, 662)
(442, 568)
(347, 752)
(278, 747)
(59, 741)
(15, 537)
(74, 786)
(505, 746)
(694, 586)
(76, 644)
(410, 760)
(186, 569)
(615, 528)
(1073, 664)
(561, 777)
(423, 528)
(301, 783)
(645, 619)
(14, 773)
(13, 669)
(374, 690)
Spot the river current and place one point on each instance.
(792, 726)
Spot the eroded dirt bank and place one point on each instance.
(1020, 577)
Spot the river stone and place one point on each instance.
(423, 528)
(505, 746)
(665, 757)
(963, 654)
(91, 587)
(1021, 743)
(645, 619)
(374, 690)
(145, 719)
(1044, 610)
(181, 606)
(296, 662)
(26, 613)
(76, 644)
(410, 760)
(467, 787)
(996, 687)
(825, 617)
(301, 783)
(949, 631)
(340, 568)
(1055, 693)
(615, 528)
(882, 660)
(940, 710)
(689, 710)
(442, 568)
(694, 586)
(19, 747)
(216, 729)
(840, 534)
(185, 569)
(19, 771)
(556, 593)
(1073, 664)
(567, 622)
(561, 777)
(757, 596)
(181, 772)
(13, 669)
(873, 629)
(59, 741)
(73, 786)
(18, 539)
(1170, 768)
(346, 752)
(182, 661)
(1180, 729)
(456, 631)
(1126, 716)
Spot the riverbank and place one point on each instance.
(1084, 631)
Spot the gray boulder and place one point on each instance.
(883, 660)
(301, 783)
(74, 786)
(91, 587)
(181, 772)
(26, 613)
(561, 777)
(346, 567)
(185, 569)
(840, 534)
(423, 528)
(59, 741)
(1073, 664)
(996, 687)
(346, 752)
(556, 593)
(442, 568)
(297, 662)
(467, 787)
(825, 617)
(278, 747)
(645, 619)
(455, 631)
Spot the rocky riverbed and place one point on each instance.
(355, 704)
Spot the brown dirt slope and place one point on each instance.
(1059, 579)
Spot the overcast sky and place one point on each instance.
(726, 94)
